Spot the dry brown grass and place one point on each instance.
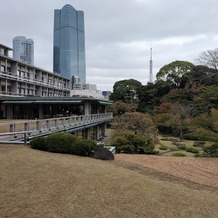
(39, 184)
(198, 170)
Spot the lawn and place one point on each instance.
(40, 184)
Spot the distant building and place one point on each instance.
(81, 86)
(87, 93)
(69, 43)
(106, 94)
(91, 87)
(23, 49)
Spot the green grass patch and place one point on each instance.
(162, 147)
(178, 154)
(192, 150)
(181, 146)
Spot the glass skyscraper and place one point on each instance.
(23, 49)
(69, 43)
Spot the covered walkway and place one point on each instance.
(43, 116)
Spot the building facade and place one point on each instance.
(69, 43)
(23, 49)
(44, 102)
(20, 79)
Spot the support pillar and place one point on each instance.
(40, 112)
(38, 125)
(96, 132)
(87, 133)
(83, 134)
(26, 126)
(87, 108)
(103, 129)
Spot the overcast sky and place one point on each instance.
(119, 33)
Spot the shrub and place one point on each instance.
(133, 143)
(191, 136)
(201, 134)
(178, 154)
(174, 140)
(141, 143)
(166, 139)
(84, 147)
(198, 155)
(120, 142)
(192, 150)
(129, 149)
(211, 151)
(38, 143)
(60, 142)
(199, 144)
(162, 147)
(181, 146)
(65, 143)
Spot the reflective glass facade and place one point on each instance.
(69, 43)
(23, 49)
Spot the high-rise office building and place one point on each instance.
(69, 43)
(23, 49)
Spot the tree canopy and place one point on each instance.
(135, 122)
(174, 72)
(126, 91)
(183, 101)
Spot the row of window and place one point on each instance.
(30, 91)
(26, 75)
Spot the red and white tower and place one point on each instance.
(151, 66)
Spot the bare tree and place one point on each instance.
(209, 58)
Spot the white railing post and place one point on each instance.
(68, 122)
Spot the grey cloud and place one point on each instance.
(119, 33)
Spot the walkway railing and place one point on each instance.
(26, 129)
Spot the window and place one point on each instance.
(22, 91)
(2, 68)
(23, 74)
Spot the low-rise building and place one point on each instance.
(20, 79)
(31, 93)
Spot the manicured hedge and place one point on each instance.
(84, 147)
(162, 147)
(60, 142)
(38, 143)
(192, 150)
(199, 144)
(181, 146)
(133, 144)
(178, 154)
(65, 143)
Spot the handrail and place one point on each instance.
(34, 128)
